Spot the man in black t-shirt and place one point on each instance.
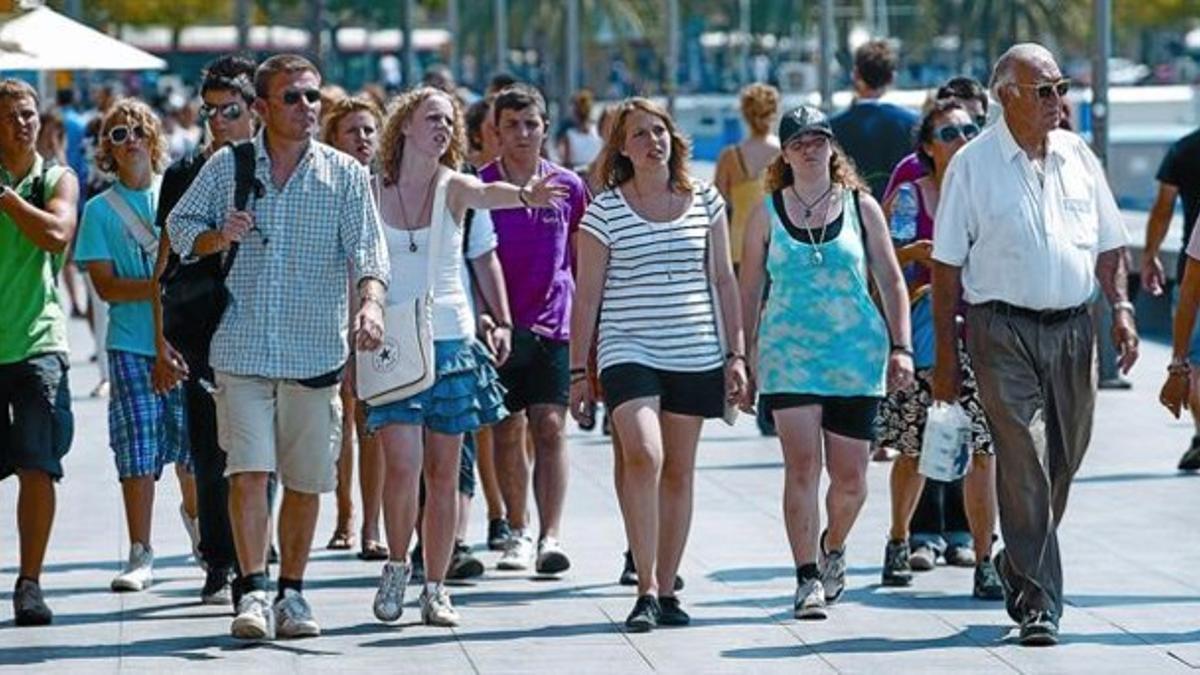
(227, 92)
(1178, 175)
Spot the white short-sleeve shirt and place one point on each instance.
(1020, 240)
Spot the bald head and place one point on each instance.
(1020, 58)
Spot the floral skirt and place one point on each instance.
(902, 415)
(466, 393)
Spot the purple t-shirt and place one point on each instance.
(534, 246)
(907, 170)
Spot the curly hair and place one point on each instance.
(344, 107)
(760, 105)
(613, 168)
(841, 171)
(391, 142)
(132, 112)
(924, 132)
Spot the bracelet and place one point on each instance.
(576, 379)
(1179, 367)
(522, 197)
(371, 298)
(1124, 304)
(578, 371)
(902, 349)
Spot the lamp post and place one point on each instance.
(1102, 13)
(828, 35)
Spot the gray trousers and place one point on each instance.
(1037, 383)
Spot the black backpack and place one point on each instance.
(194, 295)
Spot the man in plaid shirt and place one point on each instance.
(282, 344)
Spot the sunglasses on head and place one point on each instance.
(230, 111)
(1047, 89)
(951, 132)
(120, 133)
(293, 96)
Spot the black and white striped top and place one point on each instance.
(656, 309)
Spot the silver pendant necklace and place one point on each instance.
(815, 256)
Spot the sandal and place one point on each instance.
(340, 541)
(373, 550)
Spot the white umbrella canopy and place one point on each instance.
(42, 39)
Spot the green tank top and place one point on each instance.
(821, 333)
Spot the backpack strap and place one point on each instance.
(245, 184)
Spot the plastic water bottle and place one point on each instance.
(904, 213)
(946, 448)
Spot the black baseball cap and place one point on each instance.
(803, 120)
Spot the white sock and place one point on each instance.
(432, 587)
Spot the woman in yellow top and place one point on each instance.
(741, 166)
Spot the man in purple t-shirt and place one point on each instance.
(535, 246)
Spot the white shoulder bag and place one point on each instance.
(404, 365)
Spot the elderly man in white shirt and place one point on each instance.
(1026, 226)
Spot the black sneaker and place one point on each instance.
(896, 570)
(629, 574)
(1191, 459)
(1039, 629)
(29, 607)
(670, 613)
(644, 616)
(498, 534)
(1000, 562)
(463, 565)
(987, 582)
(216, 589)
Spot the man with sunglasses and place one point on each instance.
(279, 352)
(37, 221)
(1026, 226)
(227, 92)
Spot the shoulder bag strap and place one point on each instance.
(141, 231)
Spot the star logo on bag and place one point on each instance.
(386, 357)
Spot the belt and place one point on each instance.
(1044, 316)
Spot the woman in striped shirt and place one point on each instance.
(654, 270)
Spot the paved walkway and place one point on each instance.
(1130, 545)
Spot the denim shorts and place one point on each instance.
(36, 424)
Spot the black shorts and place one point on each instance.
(537, 372)
(849, 416)
(699, 394)
(36, 424)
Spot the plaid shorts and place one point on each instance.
(146, 430)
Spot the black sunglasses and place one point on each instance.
(230, 111)
(950, 132)
(119, 134)
(293, 96)
(1047, 89)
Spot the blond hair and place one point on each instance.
(614, 168)
(343, 108)
(760, 105)
(391, 142)
(133, 113)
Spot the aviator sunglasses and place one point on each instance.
(230, 111)
(293, 96)
(950, 132)
(1047, 89)
(120, 133)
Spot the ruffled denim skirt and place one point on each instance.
(466, 393)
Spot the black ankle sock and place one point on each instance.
(251, 582)
(807, 571)
(284, 583)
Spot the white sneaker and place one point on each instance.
(139, 571)
(389, 599)
(192, 527)
(518, 554)
(255, 620)
(293, 617)
(436, 609)
(810, 600)
(550, 558)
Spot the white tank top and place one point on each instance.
(452, 316)
(583, 146)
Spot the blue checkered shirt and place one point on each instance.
(288, 314)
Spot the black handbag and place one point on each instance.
(194, 296)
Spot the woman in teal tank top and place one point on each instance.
(823, 356)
